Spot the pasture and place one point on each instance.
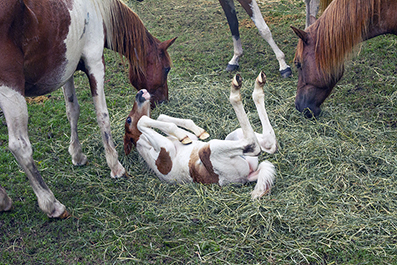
(334, 197)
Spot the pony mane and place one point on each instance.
(125, 33)
(340, 28)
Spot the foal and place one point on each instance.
(180, 157)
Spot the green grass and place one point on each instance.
(334, 198)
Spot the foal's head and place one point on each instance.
(141, 107)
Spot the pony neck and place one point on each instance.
(343, 25)
(126, 34)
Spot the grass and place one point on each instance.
(333, 201)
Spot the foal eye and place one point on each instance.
(129, 120)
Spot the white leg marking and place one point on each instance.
(264, 31)
(238, 51)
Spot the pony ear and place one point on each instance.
(301, 34)
(165, 44)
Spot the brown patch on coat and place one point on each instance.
(164, 162)
(200, 166)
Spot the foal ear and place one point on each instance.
(301, 34)
(165, 44)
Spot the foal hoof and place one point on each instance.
(232, 67)
(287, 72)
(186, 140)
(204, 135)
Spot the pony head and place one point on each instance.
(315, 82)
(153, 77)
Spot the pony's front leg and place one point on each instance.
(187, 124)
(73, 112)
(96, 78)
(15, 111)
(230, 12)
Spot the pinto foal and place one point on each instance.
(180, 157)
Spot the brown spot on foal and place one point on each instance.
(200, 166)
(164, 162)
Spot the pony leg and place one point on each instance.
(16, 114)
(95, 74)
(264, 177)
(252, 9)
(230, 12)
(252, 147)
(187, 124)
(267, 139)
(5, 201)
(312, 7)
(73, 112)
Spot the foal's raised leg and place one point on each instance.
(252, 9)
(73, 112)
(267, 139)
(253, 147)
(16, 114)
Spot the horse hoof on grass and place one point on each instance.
(232, 67)
(287, 72)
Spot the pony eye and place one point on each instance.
(129, 120)
(298, 65)
(167, 70)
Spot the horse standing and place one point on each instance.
(252, 9)
(182, 158)
(42, 44)
(325, 45)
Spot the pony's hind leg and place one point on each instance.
(16, 114)
(267, 139)
(252, 147)
(73, 112)
(5, 201)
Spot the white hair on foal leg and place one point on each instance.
(265, 177)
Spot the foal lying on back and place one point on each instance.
(181, 157)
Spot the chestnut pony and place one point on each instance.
(42, 44)
(325, 45)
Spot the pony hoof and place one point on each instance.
(232, 67)
(287, 72)
(64, 215)
(204, 135)
(186, 140)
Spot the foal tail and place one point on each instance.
(265, 175)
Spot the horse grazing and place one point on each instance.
(42, 44)
(182, 158)
(252, 9)
(326, 44)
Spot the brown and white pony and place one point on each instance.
(325, 45)
(252, 9)
(180, 157)
(42, 44)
